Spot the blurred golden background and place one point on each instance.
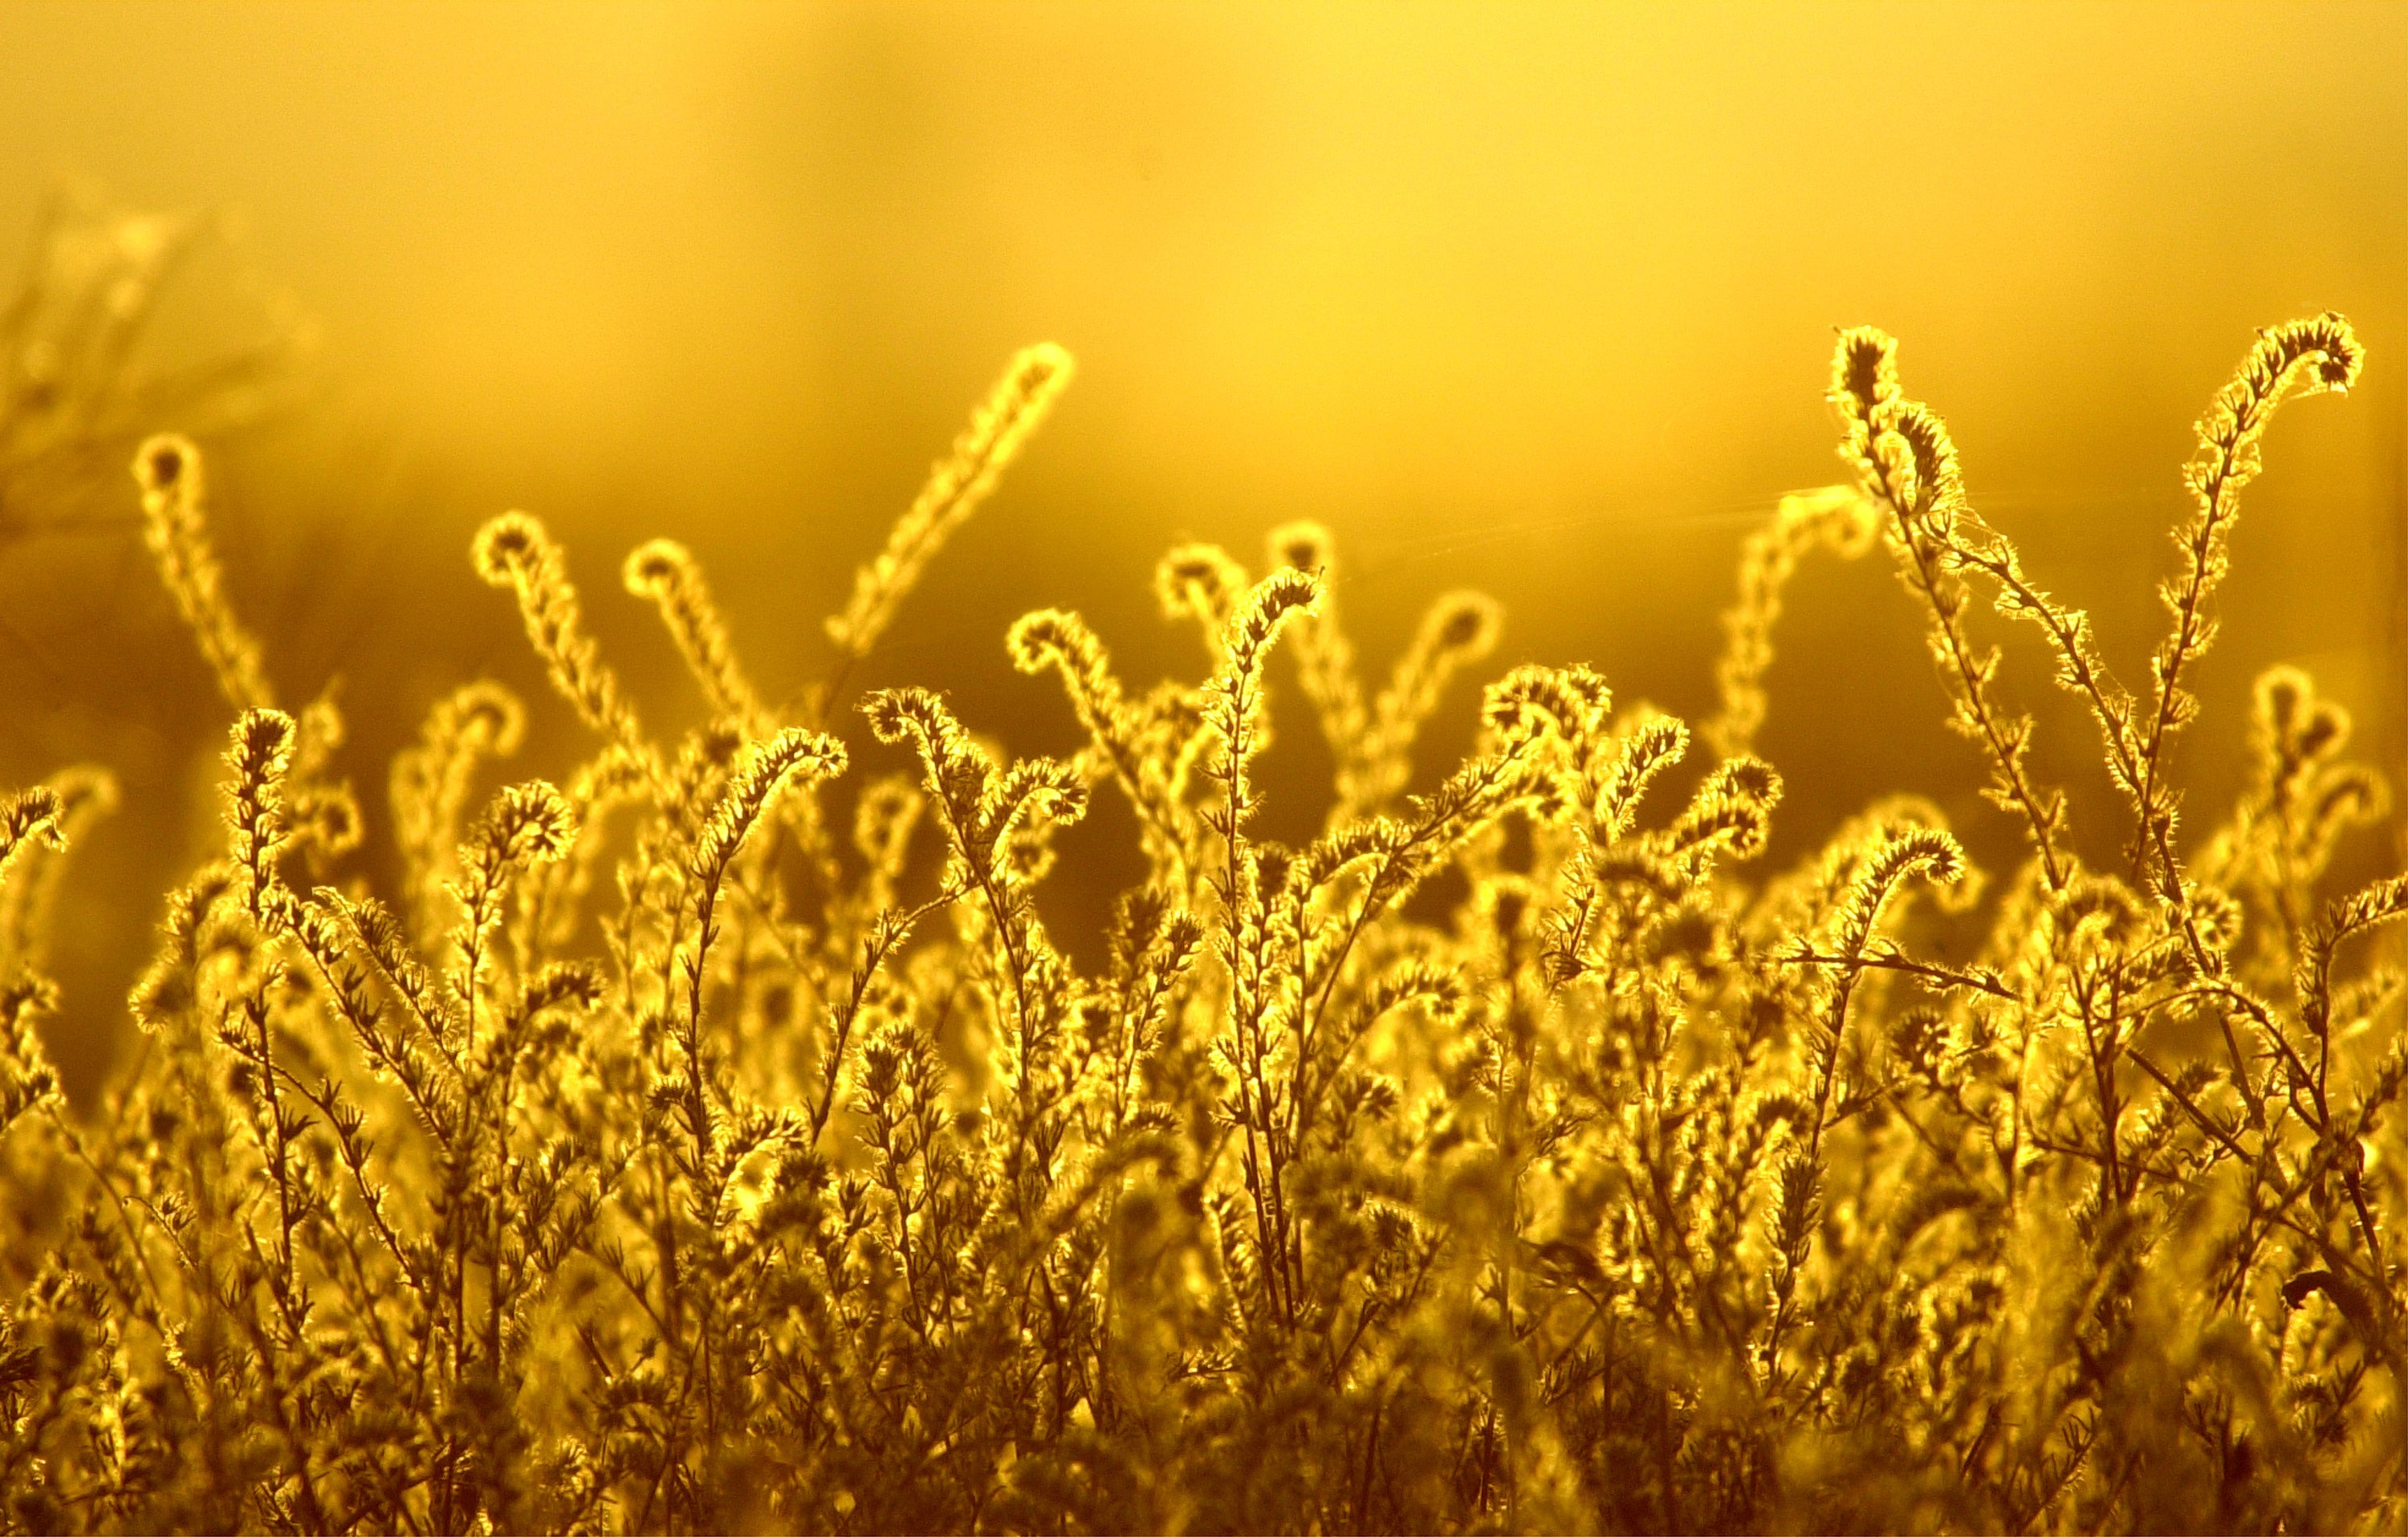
(1531, 298)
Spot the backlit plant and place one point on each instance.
(699, 1140)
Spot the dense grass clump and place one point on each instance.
(664, 1152)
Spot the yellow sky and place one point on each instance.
(1536, 299)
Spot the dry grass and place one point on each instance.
(665, 1154)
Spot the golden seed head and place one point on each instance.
(658, 567)
(1304, 545)
(161, 464)
(263, 744)
(1199, 581)
(532, 823)
(507, 546)
(1864, 370)
(1467, 624)
(30, 813)
(1038, 639)
(493, 714)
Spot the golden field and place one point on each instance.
(1286, 948)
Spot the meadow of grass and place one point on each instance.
(713, 1137)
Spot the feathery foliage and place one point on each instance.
(1517, 1154)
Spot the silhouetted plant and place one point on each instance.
(659, 1157)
